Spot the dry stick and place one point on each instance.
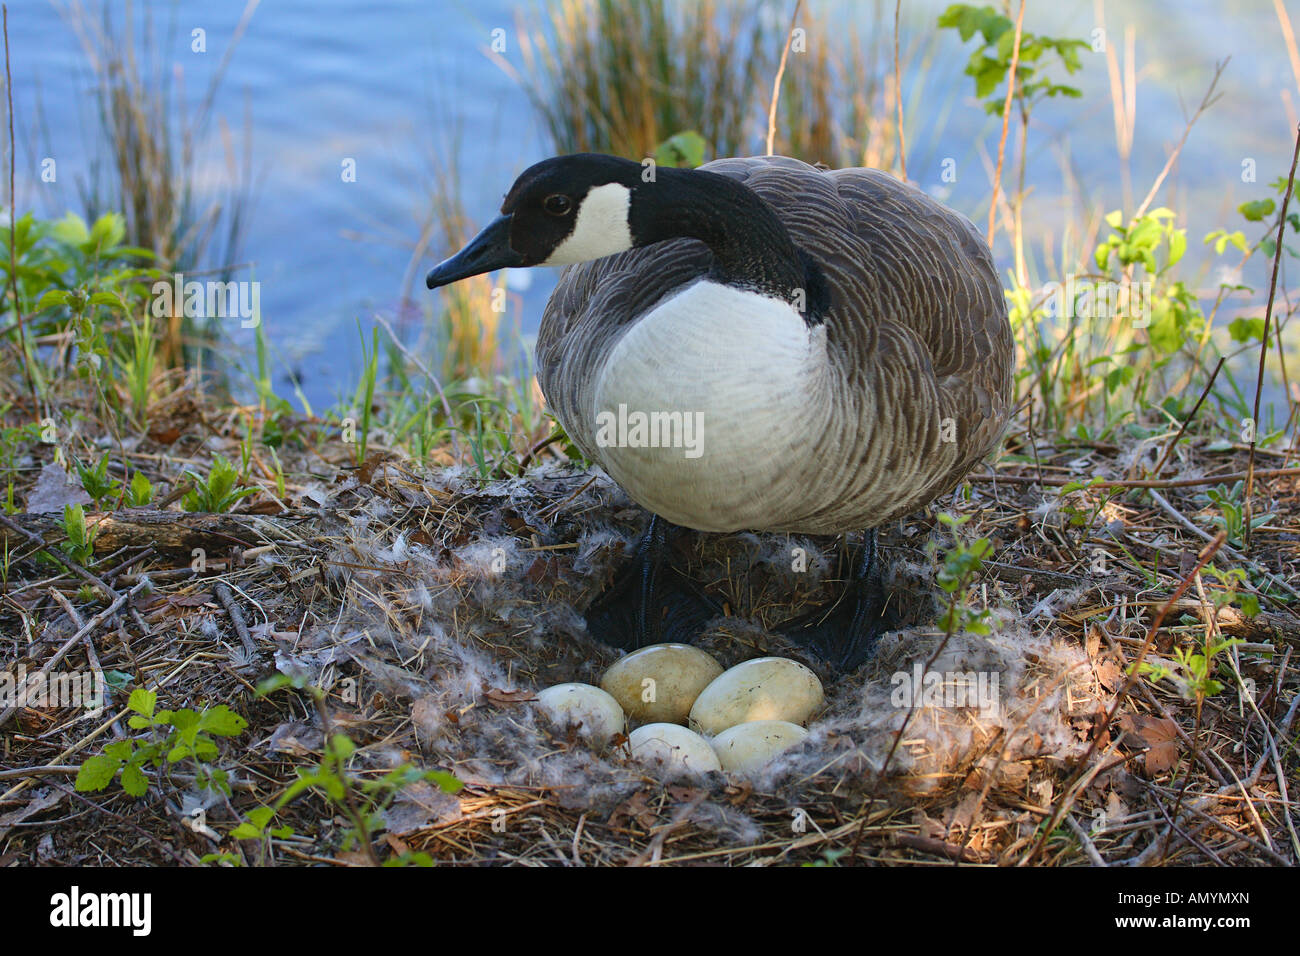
(1206, 101)
(71, 642)
(73, 566)
(1288, 35)
(1263, 344)
(1067, 795)
(236, 618)
(92, 656)
(1085, 841)
(1211, 628)
(535, 449)
(1006, 121)
(776, 85)
(1174, 828)
(13, 223)
(1187, 421)
(898, 95)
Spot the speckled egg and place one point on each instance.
(672, 749)
(747, 747)
(768, 688)
(660, 682)
(596, 714)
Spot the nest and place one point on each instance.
(429, 607)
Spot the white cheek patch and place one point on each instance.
(601, 228)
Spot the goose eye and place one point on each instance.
(558, 204)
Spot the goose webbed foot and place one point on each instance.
(649, 601)
(845, 634)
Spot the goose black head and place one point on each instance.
(560, 211)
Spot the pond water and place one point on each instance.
(389, 84)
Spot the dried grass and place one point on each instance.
(383, 580)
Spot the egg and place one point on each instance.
(673, 749)
(659, 683)
(597, 714)
(768, 688)
(747, 747)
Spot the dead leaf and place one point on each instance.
(54, 489)
(635, 808)
(1108, 674)
(1159, 735)
(397, 845)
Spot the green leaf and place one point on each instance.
(685, 149)
(1177, 245)
(141, 489)
(260, 817)
(108, 298)
(96, 773)
(222, 721)
(184, 719)
(1257, 209)
(134, 781)
(446, 782)
(143, 701)
(71, 229)
(1246, 330)
(53, 297)
(108, 231)
(118, 680)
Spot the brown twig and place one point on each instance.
(1206, 102)
(1006, 121)
(776, 85)
(227, 599)
(1263, 344)
(537, 447)
(19, 319)
(898, 95)
(1188, 420)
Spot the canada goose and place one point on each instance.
(826, 350)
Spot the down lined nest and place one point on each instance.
(431, 608)
(484, 599)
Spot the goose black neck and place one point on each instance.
(751, 247)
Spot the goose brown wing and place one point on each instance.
(917, 328)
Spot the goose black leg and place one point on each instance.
(845, 635)
(649, 601)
